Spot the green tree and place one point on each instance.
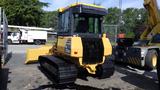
(132, 22)
(50, 19)
(113, 16)
(132, 18)
(140, 23)
(23, 12)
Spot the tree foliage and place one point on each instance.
(131, 19)
(113, 16)
(50, 19)
(23, 12)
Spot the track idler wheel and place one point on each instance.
(105, 70)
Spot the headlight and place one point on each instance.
(68, 47)
(142, 53)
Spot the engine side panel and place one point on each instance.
(70, 46)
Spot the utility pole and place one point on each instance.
(120, 20)
(120, 13)
(76, 1)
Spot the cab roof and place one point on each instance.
(80, 7)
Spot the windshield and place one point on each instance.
(141, 43)
(87, 24)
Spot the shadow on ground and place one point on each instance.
(142, 81)
(68, 86)
(4, 73)
(74, 86)
(9, 56)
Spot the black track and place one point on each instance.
(105, 70)
(58, 70)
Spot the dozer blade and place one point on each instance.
(33, 54)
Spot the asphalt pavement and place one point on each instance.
(18, 76)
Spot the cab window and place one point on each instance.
(64, 22)
(87, 24)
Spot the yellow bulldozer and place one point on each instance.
(80, 45)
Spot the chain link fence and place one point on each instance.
(111, 32)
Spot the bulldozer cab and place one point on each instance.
(81, 20)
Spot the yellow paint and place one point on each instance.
(107, 46)
(76, 4)
(80, 61)
(33, 54)
(91, 68)
(104, 58)
(153, 26)
(76, 46)
(154, 60)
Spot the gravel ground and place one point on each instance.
(18, 76)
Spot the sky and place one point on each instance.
(55, 4)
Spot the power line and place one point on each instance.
(94, 2)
